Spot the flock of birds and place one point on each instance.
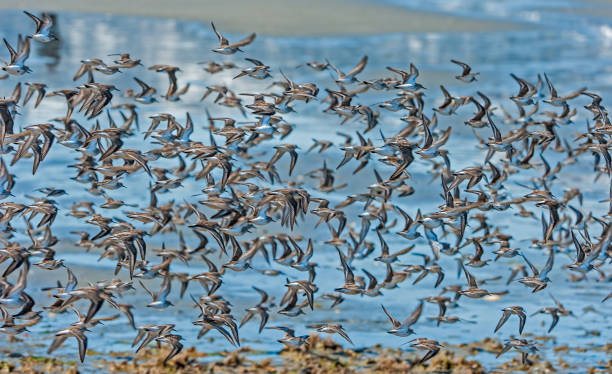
(243, 190)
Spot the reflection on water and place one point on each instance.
(572, 56)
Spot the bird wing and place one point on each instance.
(533, 268)
(522, 319)
(348, 273)
(395, 322)
(146, 289)
(82, 340)
(343, 334)
(416, 314)
(502, 320)
(246, 41)
(35, 19)
(286, 330)
(470, 278)
(255, 62)
(165, 288)
(373, 281)
(224, 42)
(466, 67)
(555, 319)
(549, 264)
(11, 51)
(359, 67)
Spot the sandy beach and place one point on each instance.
(279, 17)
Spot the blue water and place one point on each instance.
(556, 37)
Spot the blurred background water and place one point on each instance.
(569, 40)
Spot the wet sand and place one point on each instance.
(280, 17)
(323, 355)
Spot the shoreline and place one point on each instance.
(324, 355)
(281, 17)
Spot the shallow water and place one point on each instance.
(573, 48)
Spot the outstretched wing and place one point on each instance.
(359, 67)
(222, 40)
(246, 41)
(414, 317)
(466, 67)
(502, 320)
(549, 264)
(393, 320)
